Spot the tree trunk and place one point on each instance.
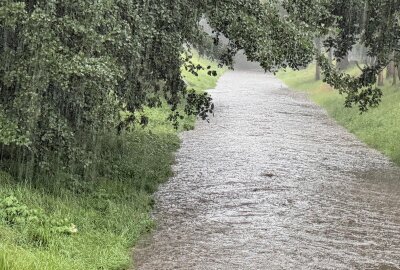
(380, 79)
(343, 63)
(330, 55)
(395, 74)
(398, 70)
(318, 45)
(318, 72)
(390, 70)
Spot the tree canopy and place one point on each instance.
(70, 67)
(345, 24)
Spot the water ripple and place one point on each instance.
(273, 183)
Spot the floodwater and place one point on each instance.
(272, 183)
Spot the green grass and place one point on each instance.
(379, 127)
(202, 82)
(111, 213)
(198, 83)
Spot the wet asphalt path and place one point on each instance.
(273, 183)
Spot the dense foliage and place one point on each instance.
(77, 76)
(375, 25)
(70, 67)
(66, 222)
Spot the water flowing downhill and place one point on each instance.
(272, 183)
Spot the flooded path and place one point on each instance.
(273, 183)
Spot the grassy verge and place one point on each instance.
(199, 83)
(67, 224)
(379, 127)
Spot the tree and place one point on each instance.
(317, 67)
(373, 24)
(69, 67)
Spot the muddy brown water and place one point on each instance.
(272, 183)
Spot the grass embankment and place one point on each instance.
(198, 83)
(110, 213)
(379, 127)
